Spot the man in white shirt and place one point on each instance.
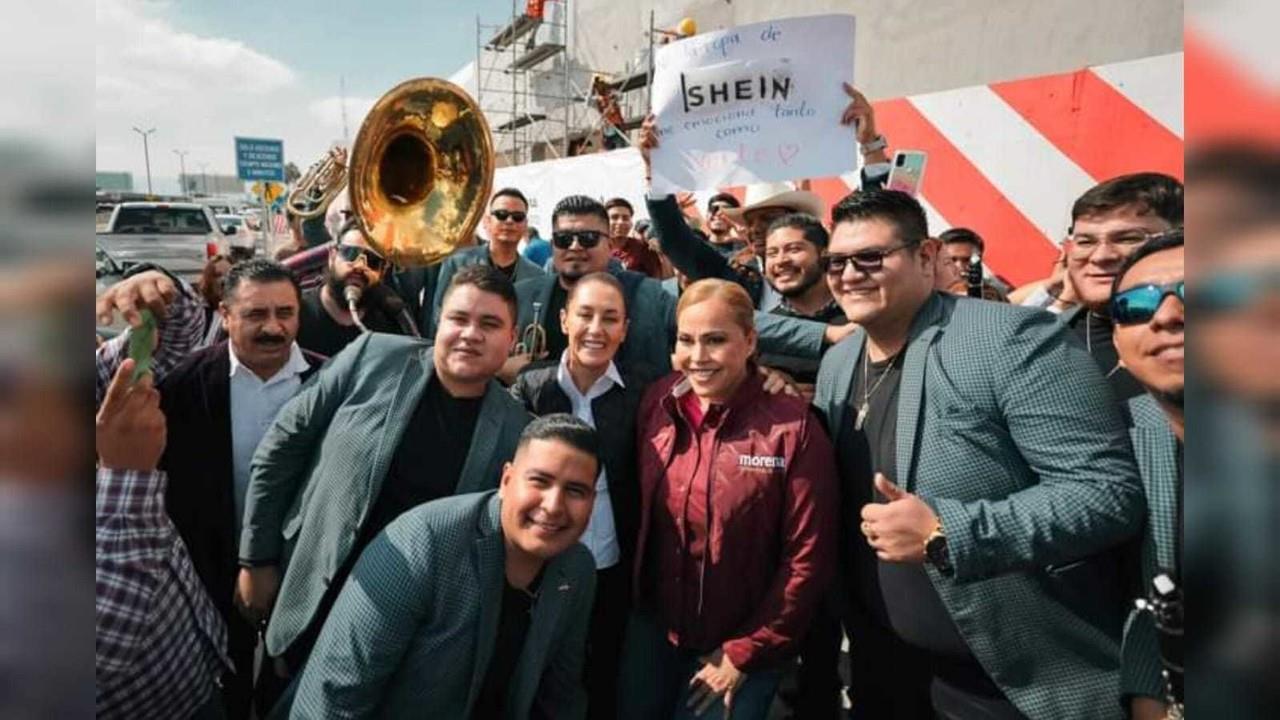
(219, 402)
(587, 383)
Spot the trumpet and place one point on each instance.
(533, 341)
(317, 188)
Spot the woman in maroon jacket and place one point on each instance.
(737, 523)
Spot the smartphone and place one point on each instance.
(907, 171)
(142, 341)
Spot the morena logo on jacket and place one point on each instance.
(768, 462)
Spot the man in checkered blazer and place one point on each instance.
(987, 481)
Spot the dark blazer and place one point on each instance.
(196, 400)
(413, 630)
(1155, 447)
(1009, 432)
(320, 467)
(478, 255)
(615, 416)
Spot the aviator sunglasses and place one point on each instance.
(1140, 304)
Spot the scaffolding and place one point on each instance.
(528, 86)
(523, 83)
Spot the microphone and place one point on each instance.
(351, 294)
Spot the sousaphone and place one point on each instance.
(421, 171)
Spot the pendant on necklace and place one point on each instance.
(861, 418)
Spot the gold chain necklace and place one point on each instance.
(868, 392)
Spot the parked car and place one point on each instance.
(179, 236)
(242, 239)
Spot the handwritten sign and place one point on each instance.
(755, 103)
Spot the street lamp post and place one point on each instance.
(182, 169)
(204, 180)
(146, 153)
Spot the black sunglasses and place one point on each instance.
(588, 239)
(865, 261)
(504, 215)
(1140, 304)
(372, 260)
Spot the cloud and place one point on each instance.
(198, 91)
(328, 112)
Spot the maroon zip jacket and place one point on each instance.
(752, 589)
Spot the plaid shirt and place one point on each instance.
(179, 332)
(161, 645)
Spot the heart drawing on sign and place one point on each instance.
(788, 152)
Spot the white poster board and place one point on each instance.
(754, 103)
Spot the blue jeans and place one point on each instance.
(654, 681)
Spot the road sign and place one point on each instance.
(259, 159)
(269, 192)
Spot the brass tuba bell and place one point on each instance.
(421, 171)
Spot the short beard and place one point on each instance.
(1172, 398)
(337, 290)
(806, 284)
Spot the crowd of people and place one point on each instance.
(664, 471)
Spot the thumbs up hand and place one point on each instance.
(897, 529)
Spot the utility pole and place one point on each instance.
(342, 98)
(182, 169)
(146, 153)
(204, 180)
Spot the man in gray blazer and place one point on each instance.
(987, 478)
(579, 247)
(505, 224)
(475, 606)
(391, 422)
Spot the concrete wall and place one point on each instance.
(906, 47)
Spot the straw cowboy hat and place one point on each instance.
(776, 194)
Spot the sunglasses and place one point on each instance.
(588, 239)
(865, 261)
(513, 215)
(1140, 304)
(372, 260)
(720, 207)
(1230, 291)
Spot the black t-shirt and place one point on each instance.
(513, 627)
(1095, 332)
(556, 341)
(901, 594)
(429, 459)
(508, 270)
(425, 467)
(319, 333)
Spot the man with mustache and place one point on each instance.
(794, 244)
(389, 423)
(327, 325)
(219, 402)
(1108, 224)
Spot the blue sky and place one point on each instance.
(373, 44)
(204, 72)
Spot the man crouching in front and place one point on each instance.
(474, 606)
